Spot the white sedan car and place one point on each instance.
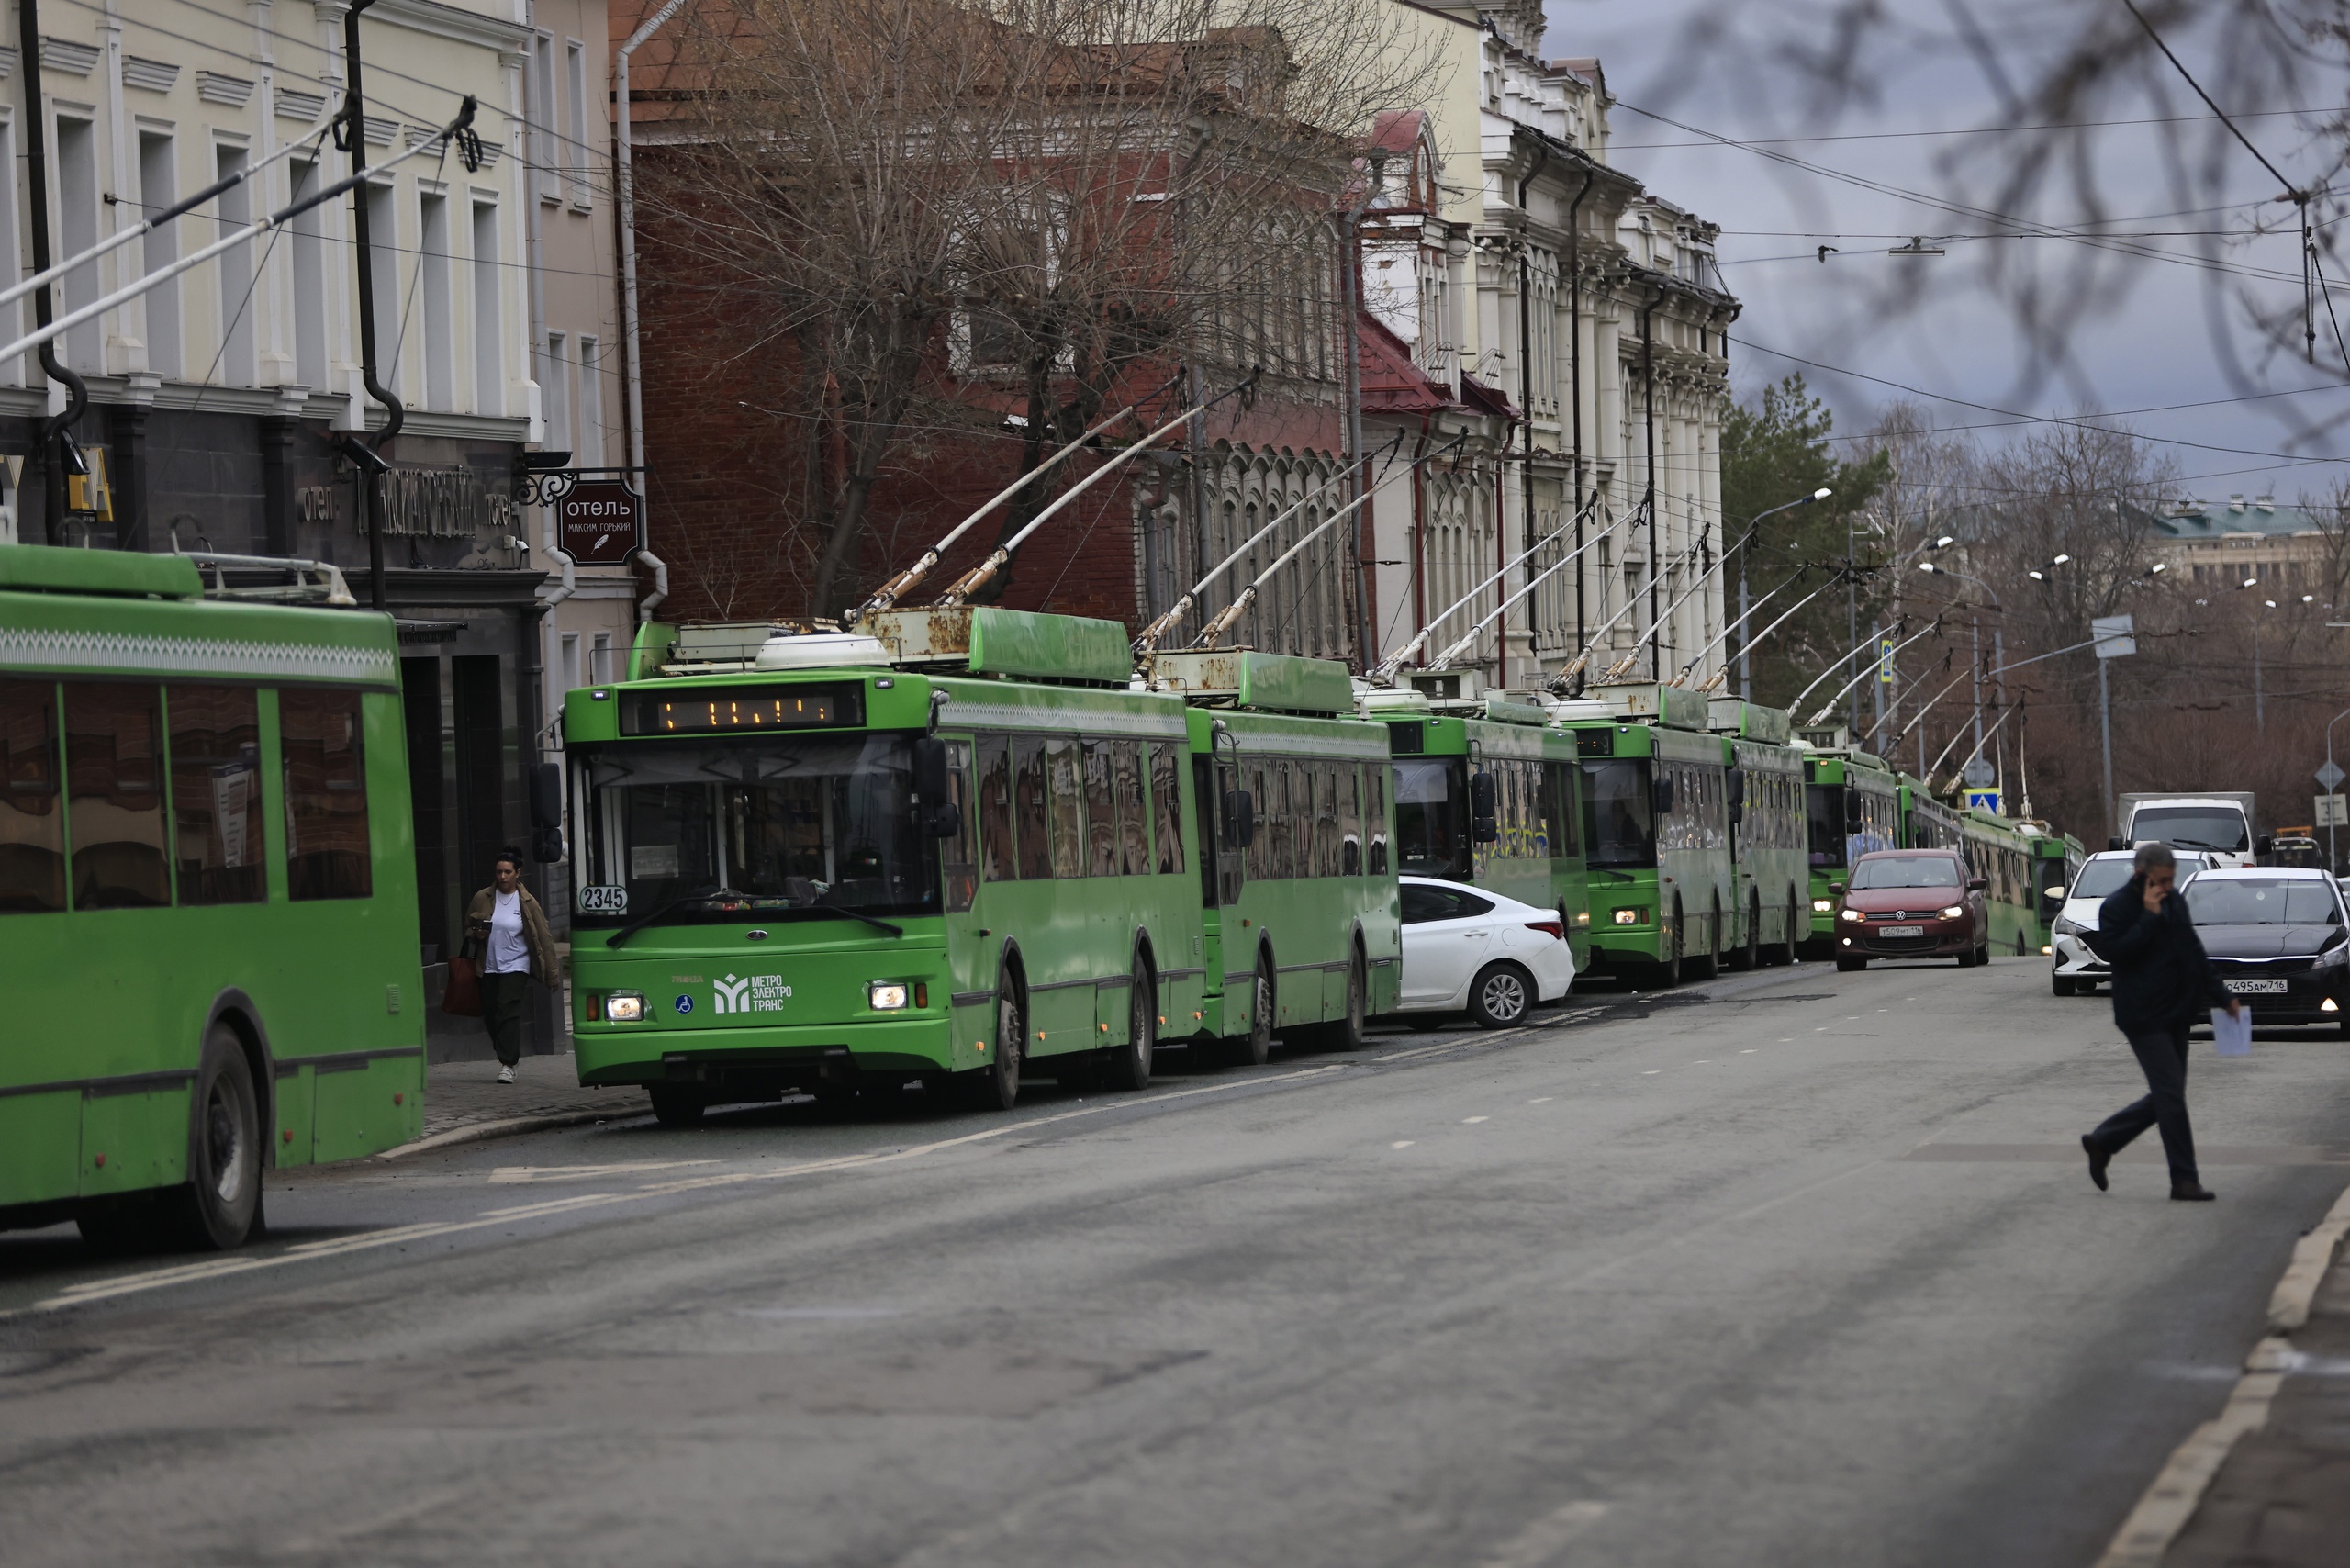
(1467, 949)
(2073, 969)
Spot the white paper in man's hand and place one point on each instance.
(2232, 1036)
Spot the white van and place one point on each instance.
(2216, 825)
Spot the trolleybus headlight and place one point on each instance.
(1955, 911)
(1854, 915)
(624, 1006)
(1823, 906)
(1628, 916)
(886, 996)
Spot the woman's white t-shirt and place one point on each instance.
(509, 954)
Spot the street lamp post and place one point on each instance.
(1745, 644)
(1929, 567)
(2332, 863)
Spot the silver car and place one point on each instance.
(2075, 969)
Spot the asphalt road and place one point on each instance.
(1806, 1274)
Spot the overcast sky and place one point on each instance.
(2158, 335)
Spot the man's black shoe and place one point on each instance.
(2191, 1192)
(2099, 1160)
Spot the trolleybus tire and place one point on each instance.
(1501, 995)
(1129, 1065)
(1711, 964)
(1256, 1048)
(1345, 1033)
(1849, 965)
(995, 1085)
(2061, 984)
(1672, 966)
(677, 1104)
(1748, 954)
(222, 1202)
(1785, 951)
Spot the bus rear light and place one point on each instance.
(624, 1006)
(886, 996)
(1547, 928)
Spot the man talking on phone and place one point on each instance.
(2162, 984)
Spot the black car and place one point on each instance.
(2280, 938)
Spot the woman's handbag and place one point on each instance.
(462, 999)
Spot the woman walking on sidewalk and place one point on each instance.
(505, 924)
(2162, 984)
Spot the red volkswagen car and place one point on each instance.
(1912, 903)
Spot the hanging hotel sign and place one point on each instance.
(599, 522)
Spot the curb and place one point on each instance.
(482, 1132)
(2178, 1490)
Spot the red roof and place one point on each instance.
(1391, 384)
(1487, 400)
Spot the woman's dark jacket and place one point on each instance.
(2161, 978)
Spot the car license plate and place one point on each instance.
(1900, 931)
(2257, 987)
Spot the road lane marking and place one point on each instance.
(1652, 1072)
(1545, 1100)
(1472, 1121)
(1405, 1143)
(1747, 1052)
(507, 1174)
(1543, 1539)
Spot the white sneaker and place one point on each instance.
(505, 1075)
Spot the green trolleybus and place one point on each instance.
(2056, 859)
(208, 897)
(1853, 806)
(1300, 917)
(1997, 851)
(959, 846)
(1485, 792)
(1766, 829)
(1926, 823)
(1664, 887)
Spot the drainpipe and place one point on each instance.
(625, 170)
(1648, 419)
(354, 127)
(1574, 372)
(49, 452)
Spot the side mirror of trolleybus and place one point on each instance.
(934, 791)
(1854, 819)
(546, 812)
(1239, 818)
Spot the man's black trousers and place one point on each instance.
(2162, 1055)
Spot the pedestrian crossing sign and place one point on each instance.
(1987, 798)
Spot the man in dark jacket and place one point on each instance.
(2162, 984)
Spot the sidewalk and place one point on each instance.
(2282, 1498)
(466, 1097)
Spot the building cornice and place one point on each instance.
(451, 22)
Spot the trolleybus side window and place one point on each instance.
(996, 860)
(1063, 786)
(1349, 805)
(1033, 830)
(1101, 813)
(957, 860)
(216, 793)
(1559, 808)
(32, 815)
(1374, 779)
(326, 795)
(1282, 776)
(1260, 777)
(1167, 807)
(114, 788)
(1330, 856)
(1133, 820)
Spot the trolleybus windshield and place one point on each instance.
(1432, 817)
(1618, 815)
(1824, 804)
(766, 821)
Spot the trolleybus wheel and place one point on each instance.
(218, 1207)
(1711, 964)
(1785, 952)
(677, 1104)
(995, 1084)
(1672, 976)
(1256, 1048)
(1129, 1065)
(1500, 995)
(1345, 1033)
(1749, 953)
